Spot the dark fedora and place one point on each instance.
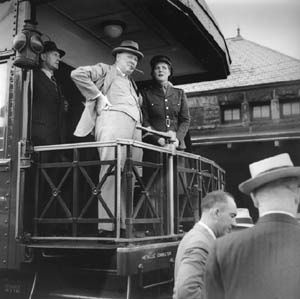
(50, 46)
(130, 47)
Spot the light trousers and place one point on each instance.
(111, 125)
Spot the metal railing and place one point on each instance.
(162, 192)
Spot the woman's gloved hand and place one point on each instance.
(161, 141)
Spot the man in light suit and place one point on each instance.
(113, 111)
(262, 262)
(218, 213)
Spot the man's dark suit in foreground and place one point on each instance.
(262, 262)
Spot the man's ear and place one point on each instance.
(297, 199)
(117, 57)
(43, 56)
(216, 212)
(255, 202)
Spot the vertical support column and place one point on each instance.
(118, 173)
(129, 191)
(176, 201)
(36, 195)
(75, 192)
(275, 107)
(170, 197)
(161, 192)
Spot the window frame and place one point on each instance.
(290, 101)
(231, 107)
(260, 104)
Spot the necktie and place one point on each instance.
(53, 80)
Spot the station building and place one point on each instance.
(253, 114)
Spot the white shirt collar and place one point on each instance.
(48, 73)
(121, 73)
(208, 229)
(277, 212)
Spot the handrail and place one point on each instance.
(163, 204)
(96, 144)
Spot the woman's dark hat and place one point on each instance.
(50, 46)
(130, 47)
(160, 58)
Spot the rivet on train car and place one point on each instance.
(5, 221)
(4, 261)
(5, 234)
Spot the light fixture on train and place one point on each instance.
(28, 45)
(113, 28)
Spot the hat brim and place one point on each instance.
(128, 50)
(244, 225)
(154, 63)
(251, 184)
(62, 53)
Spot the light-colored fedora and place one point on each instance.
(129, 46)
(243, 218)
(268, 170)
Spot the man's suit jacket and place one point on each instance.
(190, 263)
(47, 111)
(262, 262)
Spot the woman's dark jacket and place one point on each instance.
(166, 111)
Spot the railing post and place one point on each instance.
(128, 173)
(160, 207)
(170, 209)
(75, 192)
(118, 173)
(36, 196)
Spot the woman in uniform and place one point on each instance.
(165, 107)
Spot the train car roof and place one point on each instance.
(185, 30)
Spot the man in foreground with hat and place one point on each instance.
(262, 262)
(218, 216)
(113, 111)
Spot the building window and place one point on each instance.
(260, 111)
(231, 114)
(290, 109)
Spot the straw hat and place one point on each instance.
(268, 170)
(243, 218)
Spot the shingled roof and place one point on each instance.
(252, 64)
